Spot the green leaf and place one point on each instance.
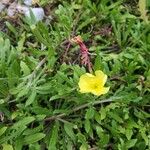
(31, 98)
(21, 42)
(98, 61)
(129, 133)
(24, 68)
(144, 136)
(23, 122)
(141, 145)
(15, 134)
(29, 131)
(115, 116)
(2, 130)
(99, 131)
(54, 137)
(131, 143)
(82, 140)
(85, 23)
(129, 56)
(33, 138)
(11, 28)
(103, 113)
(68, 127)
(40, 117)
(87, 125)
(19, 142)
(24, 91)
(97, 117)
(7, 147)
(41, 33)
(83, 147)
(104, 140)
(90, 113)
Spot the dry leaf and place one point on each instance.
(35, 2)
(142, 9)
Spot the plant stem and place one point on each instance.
(33, 74)
(78, 108)
(38, 67)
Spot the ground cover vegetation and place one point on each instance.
(42, 103)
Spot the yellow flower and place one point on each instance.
(94, 84)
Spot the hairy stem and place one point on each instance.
(78, 108)
(33, 74)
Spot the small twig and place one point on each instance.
(117, 78)
(66, 51)
(75, 23)
(72, 34)
(78, 108)
(12, 101)
(32, 75)
(38, 66)
(62, 120)
(93, 148)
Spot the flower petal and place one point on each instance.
(94, 84)
(103, 77)
(89, 75)
(100, 91)
(85, 83)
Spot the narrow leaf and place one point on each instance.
(24, 122)
(33, 138)
(31, 98)
(2, 130)
(54, 136)
(68, 127)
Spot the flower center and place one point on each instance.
(95, 86)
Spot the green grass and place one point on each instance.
(40, 104)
